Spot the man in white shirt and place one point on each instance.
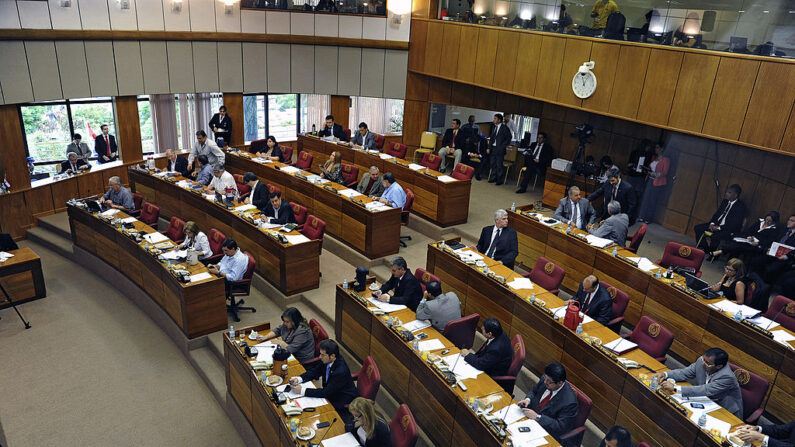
(203, 146)
(222, 181)
(727, 220)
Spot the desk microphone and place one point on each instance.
(324, 435)
(615, 348)
(452, 371)
(773, 320)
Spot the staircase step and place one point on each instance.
(58, 223)
(209, 367)
(52, 240)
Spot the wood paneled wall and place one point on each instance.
(14, 160)
(234, 108)
(728, 97)
(128, 128)
(341, 109)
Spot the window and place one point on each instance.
(382, 115)
(282, 116)
(314, 109)
(145, 118)
(255, 126)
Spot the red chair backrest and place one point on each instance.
(150, 213)
(287, 153)
(753, 388)
(517, 344)
(350, 173)
(304, 161)
(643, 444)
(652, 337)
(619, 297)
(347, 134)
(137, 201)
(379, 142)
(369, 380)
(637, 238)
(299, 211)
(461, 331)
(403, 428)
(425, 277)
(314, 228)
(250, 267)
(397, 150)
(463, 172)
(216, 239)
(680, 255)
(176, 229)
(547, 274)
(431, 161)
(782, 311)
(258, 146)
(242, 186)
(319, 333)
(404, 215)
(585, 404)
(272, 188)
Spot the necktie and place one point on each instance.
(725, 213)
(575, 215)
(328, 370)
(107, 144)
(538, 150)
(587, 302)
(455, 132)
(483, 348)
(786, 236)
(493, 246)
(544, 402)
(496, 132)
(615, 188)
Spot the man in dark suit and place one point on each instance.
(726, 221)
(259, 196)
(105, 146)
(278, 210)
(74, 165)
(552, 403)
(594, 300)
(338, 387)
(453, 142)
(498, 143)
(475, 154)
(499, 242)
(772, 267)
(536, 159)
(494, 357)
(576, 210)
(407, 288)
(221, 125)
(615, 189)
(364, 138)
(781, 435)
(331, 129)
(176, 163)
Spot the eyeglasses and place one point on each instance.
(729, 269)
(356, 418)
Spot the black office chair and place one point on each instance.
(7, 242)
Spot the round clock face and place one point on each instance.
(584, 84)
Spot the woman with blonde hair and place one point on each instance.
(197, 240)
(332, 169)
(733, 283)
(368, 429)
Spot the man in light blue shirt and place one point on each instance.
(118, 196)
(205, 175)
(393, 194)
(234, 263)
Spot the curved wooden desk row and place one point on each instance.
(619, 395)
(696, 325)
(441, 411)
(290, 268)
(198, 308)
(373, 233)
(444, 204)
(253, 398)
(21, 277)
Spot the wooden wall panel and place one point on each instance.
(433, 50)
(448, 63)
(576, 52)
(659, 86)
(688, 172)
(462, 95)
(340, 108)
(629, 79)
(467, 53)
(416, 87)
(506, 60)
(527, 64)
(788, 143)
(693, 91)
(234, 108)
(730, 94)
(413, 128)
(419, 31)
(773, 96)
(439, 91)
(128, 128)
(605, 57)
(548, 77)
(487, 56)
(14, 158)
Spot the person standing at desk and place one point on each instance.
(204, 146)
(80, 149)
(221, 125)
(118, 196)
(105, 145)
(278, 210)
(233, 265)
(393, 194)
(499, 242)
(437, 307)
(407, 288)
(338, 387)
(498, 144)
(575, 210)
(294, 335)
(331, 129)
(471, 126)
(494, 357)
(552, 403)
(73, 164)
(614, 190)
(364, 138)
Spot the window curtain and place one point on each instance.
(164, 122)
(314, 109)
(372, 111)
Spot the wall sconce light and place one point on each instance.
(124, 4)
(176, 5)
(399, 9)
(229, 6)
(65, 3)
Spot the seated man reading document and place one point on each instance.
(552, 402)
(437, 307)
(594, 300)
(222, 181)
(499, 242)
(407, 289)
(73, 164)
(338, 387)
(494, 357)
(364, 138)
(233, 265)
(278, 210)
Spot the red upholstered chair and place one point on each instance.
(782, 311)
(138, 200)
(461, 331)
(272, 188)
(651, 337)
(679, 255)
(379, 142)
(547, 274)
(175, 230)
(314, 228)
(258, 146)
(287, 153)
(299, 211)
(405, 214)
(463, 172)
(636, 239)
(216, 239)
(368, 379)
(585, 404)
(425, 277)
(403, 428)
(431, 161)
(507, 382)
(242, 186)
(320, 334)
(644, 444)
(149, 214)
(304, 161)
(397, 150)
(347, 134)
(241, 287)
(753, 388)
(350, 174)
(620, 303)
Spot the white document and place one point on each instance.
(210, 197)
(712, 423)
(175, 254)
(431, 345)
(620, 345)
(416, 167)
(243, 208)
(349, 193)
(732, 308)
(385, 156)
(377, 206)
(296, 238)
(782, 336)
(766, 323)
(4, 256)
(467, 254)
(774, 247)
(183, 184)
(598, 242)
(346, 440)
(386, 307)
(307, 402)
(290, 169)
(741, 240)
(639, 167)
(708, 404)
(129, 220)
(416, 325)
(509, 414)
(644, 264)
(262, 160)
(109, 212)
(521, 283)
(154, 238)
(200, 276)
(463, 370)
(536, 431)
(292, 394)
(161, 174)
(560, 313)
(269, 226)
(445, 179)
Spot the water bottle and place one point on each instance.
(702, 420)
(441, 245)
(654, 384)
(476, 405)
(568, 228)
(232, 332)
(658, 275)
(264, 377)
(314, 130)
(293, 426)
(513, 206)
(579, 330)
(345, 283)
(615, 251)
(416, 344)
(389, 321)
(739, 315)
(533, 297)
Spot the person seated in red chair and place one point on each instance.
(770, 435)
(278, 210)
(331, 129)
(259, 196)
(594, 300)
(118, 196)
(407, 288)
(233, 265)
(499, 242)
(727, 220)
(617, 436)
(494, 357)
(73, 164)
(552, 402)
(363, 139)
(176, 163)
(338, 387)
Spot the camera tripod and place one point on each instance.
(11, 302)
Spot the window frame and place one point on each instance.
(267, 113)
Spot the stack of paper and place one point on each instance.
(310, 402)
(349, 193)
(731, 308)
(128, 220)
(377, 206)
(346, 440)
(297, 238)
(386, 307)
(5, 256)
(445, 178)
(536, 433)
(708, 404)
(431, 345)
(509, 414)
(263, 160)
(620, 345)
(521, 283)
(560, 313)
(290, 169)
(782, 336)
(598, 242)
(200, 276)
(154, 238)
(385, 156)
(109, 212)
(644, 264)
(416, 167)
(416, 325)
(175, 254)
(210, 197)
(469, 255)
(463, 370)
(292, 394)
(243, 208)
(183, 184)
(764, 322)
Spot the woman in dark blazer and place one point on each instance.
(760, 234)
(274, 152)
(369, 430)
(295, 335)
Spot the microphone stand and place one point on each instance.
(8, 298)
(328, 429)
(773, 320)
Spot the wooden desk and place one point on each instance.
(441, 411)
(618, 394)
(253, 397)
(697, 326)
(198, 308)
(21, 277)
(290, 268)
(444, 204)
(555, 183)
(373, 234)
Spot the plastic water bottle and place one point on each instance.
(654, 384)
(264, 377)
(579, 330)
(345, 283)
(739, 315)
(476, 405)
(533, 297)
(702, 420)
(389, 321)
(441, 244)
(615, 251)
(513, 206)
(416, 344)
(231, 332)
(293, 426)
(658, 275)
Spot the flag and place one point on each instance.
(5, 186)
(91, 132)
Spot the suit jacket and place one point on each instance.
(495, 358)
(564, 211)
(440, 310)
(625, 195)
(337, 132)
(381, 436)
(614, 228)
(7, 242)
(366, 142)
(506, 246)
(376, 190)
(408, 290)
(180, 165)
(734, 220)
(102, 149)
(499, 140)
(544, 157)
(224, 125)
(559, 414)
(81, 151)
(260, 196)
(723, 388)
(447, 139)
(782, 435)
(339, 389)
(766, 236)
(65, 165)
(285, 212)
(601, 306)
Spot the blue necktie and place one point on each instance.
(328, 370)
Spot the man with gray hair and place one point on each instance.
(203, 146)
(499, 242)
(78, 147)
(73, 164)
(370, 184)
(222, 181)
(437, 307)
(405, 288)
(614, 227)
(614, 190)
(118, 196)
(575, 210)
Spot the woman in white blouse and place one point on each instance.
(196, 240)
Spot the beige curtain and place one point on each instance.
(314, 109)
(164, 122)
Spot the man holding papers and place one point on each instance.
(494, 357)
(234, 263)
(594, 300)
(407, 289)
(552, 403)
(338, 387)
(437, 307)
(614, 227)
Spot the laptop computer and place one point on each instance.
(699, 286)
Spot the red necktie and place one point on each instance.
(587, 302)
(107, 144)
(544, 402)
(455, 132)
(614, 192)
